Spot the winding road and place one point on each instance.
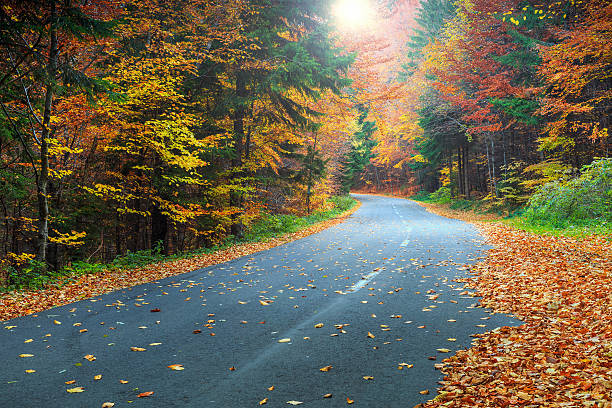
(371, 301)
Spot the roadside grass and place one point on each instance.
(35, 276)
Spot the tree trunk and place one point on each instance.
(466, 158)
(159, 229)
(236, 199)
(43, 177)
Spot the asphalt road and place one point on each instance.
(366, 297)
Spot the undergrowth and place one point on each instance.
(576, 207)
(35, 275)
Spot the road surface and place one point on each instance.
(370, 301)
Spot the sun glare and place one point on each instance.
(353, 14)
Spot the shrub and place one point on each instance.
(582, 201)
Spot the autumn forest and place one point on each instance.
(170, 126)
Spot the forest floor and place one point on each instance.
(22, 303)
(561, 287)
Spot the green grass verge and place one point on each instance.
(34, 276)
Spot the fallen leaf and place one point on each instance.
(232, 368)
(370, 335)
(26, 355)
(197, 331)
(146, 394)
(98, 377)
(176, 367)
(108, 405)
(123, 381)
(30, 371)
(368, 377)
(155, 310)
(271, 388)
(284, 340)
(137, 349)
(443, 350)
(57, 322)
(263, 401)
(318, 325)
(70, 382)
(29, 341)
(349, 401)
(75, 389)
(294, 402)
(327, 396)
(89, 357)
(424, 392)
(155, 344)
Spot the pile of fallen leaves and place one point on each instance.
(562, 356)
(469, 216)
(17, 304)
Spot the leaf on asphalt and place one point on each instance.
(89, 357)
(368, 377)
(176, 367)
(26, 355)
(197, 331)
(263, 401)
(292, 402)
(424, 392)
(155, 310)
(30, 371)
(284, 340)
(318, 325)
(271, 388)
(326, 368)
(349, 401)
(98, 377)
(137, 349)
(232, 368)
(155, 344)
(70, 382)
(29, 341)
(327, 395)
(123, 381)
(370, 335)
(443, 350)
(108, 405)
(56, 322)
(265, 302)
(75, 390)
(145, 394)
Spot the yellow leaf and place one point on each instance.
(284, 340)
(368, 377)
(29, 341)
(349, 401)
(137, 349)
(176, 367)
(75, 389)
(263, 401)
(271, 388)
(89, 357)
(26, 355)
(424, 392)
(326, 368)
(370, 335)
(443, 350)
(57, 322)
(318, 325)
(30, 371)
(98, 377)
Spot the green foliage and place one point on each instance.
(585, 200)
(272, 225)
(33, 275)
(361, 149)
(140, 258)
